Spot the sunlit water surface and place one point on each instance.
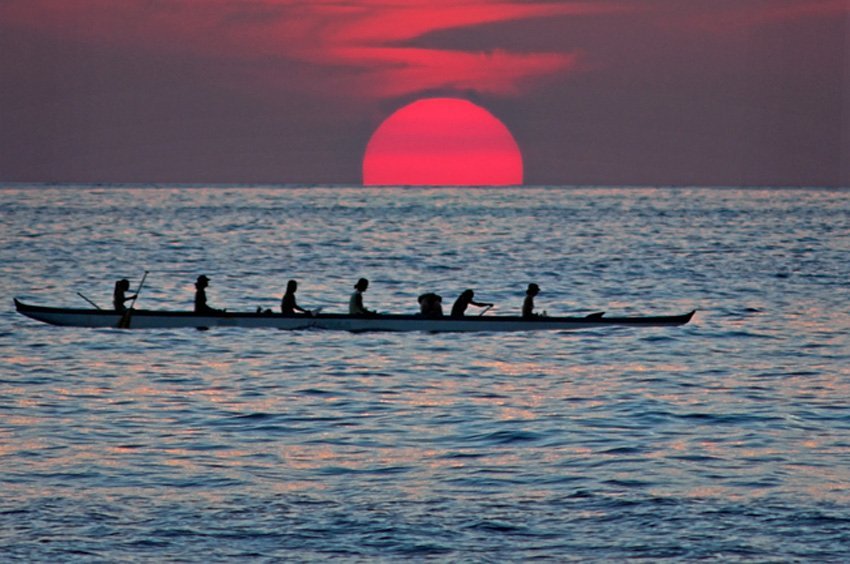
(727, 439)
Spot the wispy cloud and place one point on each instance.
(364, 47)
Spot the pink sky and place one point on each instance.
(730, 92)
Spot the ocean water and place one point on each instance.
(724, 440)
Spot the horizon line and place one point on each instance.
(307, 185)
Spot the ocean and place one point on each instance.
(727, 439)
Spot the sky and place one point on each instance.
(637, 92)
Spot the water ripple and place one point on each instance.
(605, 445)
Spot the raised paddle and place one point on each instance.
(125, 319)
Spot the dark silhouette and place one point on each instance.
(431, 305)
(355, 303)
(201, 296)
(119, 296)
(287, 303)
(465, 300)
(528, 303)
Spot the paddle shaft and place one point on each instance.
(88, 300)
(139, 289)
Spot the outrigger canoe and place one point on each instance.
(154, 319)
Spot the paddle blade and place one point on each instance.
(124, 322)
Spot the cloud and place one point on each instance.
(363, 48)
(725, 17)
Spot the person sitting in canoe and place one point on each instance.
(465, 300)
(201, 296)
(119, 296)
(287, 303)
(431, 305)
(355, 303)
(528, 303)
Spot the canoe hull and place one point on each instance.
(150, 319)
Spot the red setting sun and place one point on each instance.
(442, 142)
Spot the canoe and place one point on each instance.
(155, 319)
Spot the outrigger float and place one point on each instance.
(155, 319)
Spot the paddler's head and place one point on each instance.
(202, 282)
(361, 285)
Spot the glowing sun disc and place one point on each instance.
(442, 142)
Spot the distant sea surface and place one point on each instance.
(727, 439)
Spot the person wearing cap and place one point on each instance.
(119, 296)
(287, 303)
(464, 301)
(201, 296)
(355, 303)
(528, 303)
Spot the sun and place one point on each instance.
(442, 142)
